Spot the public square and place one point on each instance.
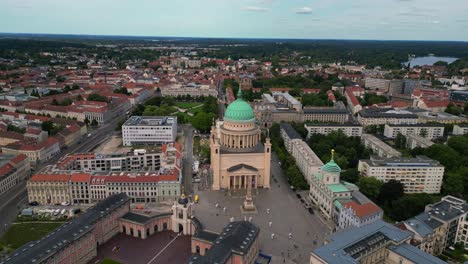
(278, 205)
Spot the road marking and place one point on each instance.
(162, 250)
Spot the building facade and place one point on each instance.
(13, 169)
(379, 147)
(149, 130)
(238, 158)
(418, 175)
(428, 131)
(415, 141)
(350, 130)
(460, 129)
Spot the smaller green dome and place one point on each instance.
(239, 110)
(331, 166)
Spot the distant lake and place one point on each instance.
(429, 60)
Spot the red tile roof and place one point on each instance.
(50, 177)
(19, 158)
(80, 177)
(5, 169)
(363, 210)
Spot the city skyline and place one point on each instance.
(331, 19)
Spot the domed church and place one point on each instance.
(238, 157)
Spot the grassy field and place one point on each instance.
(22, 233)
(195, 110)
(187, 105)
(109, 261)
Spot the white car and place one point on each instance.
(65, 203)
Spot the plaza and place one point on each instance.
(278, 205)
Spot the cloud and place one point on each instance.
(255, 9)
(304, 10)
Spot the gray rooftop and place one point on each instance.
(345, 246)
(290, 131)
(236, 237)
(415, 255)
(419, 161)
(386, 113)
(448, 209)
(150, 121)
(40, 251)
(325, 110)
(310, 124)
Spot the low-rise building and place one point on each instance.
(357, 211)
(326, 114)
(381, 116)
(149, 130)
(36, 152)
(379, 147)
(418, 175)
(429, 131)
(192, 89)
(415, 141)
(13, 169)
(460, 129)
(378, 242)
(350, 130)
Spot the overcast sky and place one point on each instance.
(318, 19)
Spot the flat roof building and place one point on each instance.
(350, 130)
(379, 147)
(149, 130)
(430, 131)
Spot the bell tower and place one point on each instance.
(182, 215)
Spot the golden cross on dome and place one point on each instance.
(332, 154)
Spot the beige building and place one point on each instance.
(415, 141)
(461, 129)
(238, 158)
(430, 131)
(13, 169)
(379, 147)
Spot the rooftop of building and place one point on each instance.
(40, 250)
(307, 125)
(448, 209)
(419, 161)
(150, 121)
(415, 255)
(290, 131)
(382, 145)
(420, 139)
(236, 237)
(325, 110)
(386, 113)
(416, 125)
(348, 245)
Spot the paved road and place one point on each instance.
(14, 200)
(187, 159)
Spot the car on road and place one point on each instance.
(34, 203)
(311, 211)
(196, 180)
(298, 196)
(56, 212)
(302, 200)
(89, 135)
(65, 203)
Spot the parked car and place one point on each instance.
(298, 196)
(34, 203)
(65, 203)
(311, 211)
(56, 212)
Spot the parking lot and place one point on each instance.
(288, 230)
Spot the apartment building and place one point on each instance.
(149, 130)
(13, 169)
(306, 160)
(326, 115)
(381, 116)
(379, 147)
(460, 129)
(429, 131)
(378, 242)
(415, 141)
(288, 100)
(36, 152)
(289, 136)
(418, 175)
(377, 84)
(350, 130)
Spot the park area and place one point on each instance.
(21, 233)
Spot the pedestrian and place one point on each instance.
(270, 223)
(250, 219)
(224, 209)
(290, 235)
(272, 236)
(268, 210)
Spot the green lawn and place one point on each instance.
(195, 110)
(22, 233)
(187, 105)
(109, 261)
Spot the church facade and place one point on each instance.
(238, 157)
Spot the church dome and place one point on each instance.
(331, 166)
(239, 110)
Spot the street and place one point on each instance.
(187, 159)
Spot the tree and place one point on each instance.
(370, 187)
(390, 191)
(453, 109)
(350, 175)
(203, 121)
(94, 123)
(97, 97)
(400, 141)
(87, 121)
(408, 206)
(454, 182)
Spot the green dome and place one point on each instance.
(331, 166)
(239, 110)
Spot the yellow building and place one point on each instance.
(238, 157)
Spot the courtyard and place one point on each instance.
(279, 212)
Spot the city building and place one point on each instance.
(341, 201)
(289, 135)
(192, 89)
(378, 242)
(238, 158)
(353, 102)
(13, 169)
(306, 160)
(149, 130)
(440, 117)
(326, 114)
(379, 147)
(429, 131)
(36, 152)
(76, 241)
(381, 116)
(237, 243)
(415, 141)
(418, 175)
(458, 96)
(381, 85)
(460, 129)
(350, 130)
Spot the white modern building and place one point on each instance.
(350, 130)
(418, 175)
(430, 131)
(149, 130)
(379, 147)
(460, 129)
